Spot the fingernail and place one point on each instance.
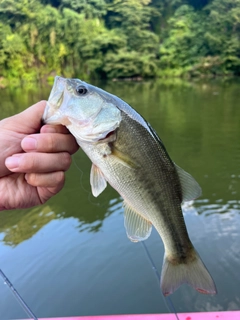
(29, 143)
(12, 162)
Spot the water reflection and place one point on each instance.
(20, 225)
(232, 207)
(23, 225)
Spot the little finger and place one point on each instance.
(46, 180)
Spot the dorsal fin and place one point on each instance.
(190, 188)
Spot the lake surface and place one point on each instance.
(72, 257)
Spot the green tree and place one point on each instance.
(90, 8)
(184, 44)
(131, 18)
(222, 35)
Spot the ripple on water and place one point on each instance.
(204, 207)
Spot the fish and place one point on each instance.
(127, 153)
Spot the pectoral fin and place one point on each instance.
(190, 188)
(137, 228)
(123, 159)
(97, 181)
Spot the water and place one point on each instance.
(72, 257)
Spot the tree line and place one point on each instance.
(118, 38)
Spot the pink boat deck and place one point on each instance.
(221, 315)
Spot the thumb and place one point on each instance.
(29, 120)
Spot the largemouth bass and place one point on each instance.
(127, 153)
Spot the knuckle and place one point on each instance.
(49, 142)
(59, 177)
(28, 162)
(66, 160)
(74, 145)
(30, 178)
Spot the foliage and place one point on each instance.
(184, 43)
(118, 38)
(223, 34)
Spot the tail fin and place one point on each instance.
(193, 273)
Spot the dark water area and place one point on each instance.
(72, 257)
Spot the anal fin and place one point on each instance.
(137, 227)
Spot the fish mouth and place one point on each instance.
(45, 114)
(52, 113)
(51, 117)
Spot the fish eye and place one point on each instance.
(81, 90)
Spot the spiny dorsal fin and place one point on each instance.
(137, 228)
(97, 181)
(190, 188)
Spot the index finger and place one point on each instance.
(50, 143)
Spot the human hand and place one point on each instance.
(33, 159)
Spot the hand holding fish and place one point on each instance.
(33, 159)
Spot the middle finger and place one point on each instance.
(50, 142)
